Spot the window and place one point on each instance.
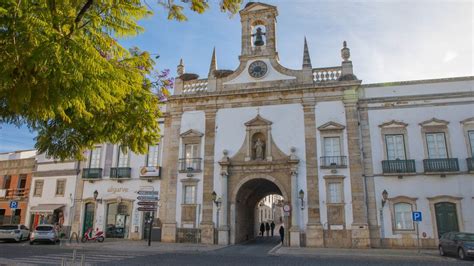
(403, 219)
(60, 187)
(189, 194)
(38, 188)
(334, 192)
(22, 181)
(436, 143)
(153, 155)
(6, 181)
(122, 158)
(471, 141)
(95, 157)
(395, 147)
(332, 146)
(191, 151)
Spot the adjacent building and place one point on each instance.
(16, 169)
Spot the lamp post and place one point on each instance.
(382, 227)
(217, 201)
(301, 197)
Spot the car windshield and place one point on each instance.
(8, 227)
(44, 228)
(465, 237)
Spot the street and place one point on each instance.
(257, 252)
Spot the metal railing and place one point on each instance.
(12, 193)
(441, 165)
(333, 161)
(470, 164)
(398, 166)
(120, 172)
(190, 164)
(92, 173)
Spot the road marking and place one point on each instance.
(56, 258)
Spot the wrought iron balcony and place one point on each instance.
(441, 165)
(92, 173)
(333, 161)
(190, 164)
(120, 172)
(13, 193)
(398, 166)
(470, 164)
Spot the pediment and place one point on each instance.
(393, 124)
(468, 121)
(256, 7)
(434, 122)
(191, 133)
(258, 121)
(331, 126)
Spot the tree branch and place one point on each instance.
(83, 11)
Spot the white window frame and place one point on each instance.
(64, 187)
(191, 200)
(153, 156)
(326, 140)
(398, 154)
(122, 158)
(40, 194)
(437, 146)
(404, 219)
(95, 157)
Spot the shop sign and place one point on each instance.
(151, 203)
(144, 192)
(152, 171)
(117, 190)
(147, 209)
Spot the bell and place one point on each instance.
(258, 37)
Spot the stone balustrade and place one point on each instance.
(326, 74)
(195, 86)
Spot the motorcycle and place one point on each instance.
(91, 235)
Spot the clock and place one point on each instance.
(258, 69)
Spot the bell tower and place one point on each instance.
(258, 30)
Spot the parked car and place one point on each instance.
(44, 233)
(461, 244)
(16, 232)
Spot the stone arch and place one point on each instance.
(244, 198)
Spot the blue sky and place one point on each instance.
(389, 41)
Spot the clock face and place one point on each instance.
(258, 69)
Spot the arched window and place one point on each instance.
(403, 219)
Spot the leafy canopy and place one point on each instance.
(64, 74)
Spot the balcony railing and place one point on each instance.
(470, 164)
(333, 161)
(398, 166)
(92, 173)
(120, 172)
(190, 164)
(13, 193)
(441, 165)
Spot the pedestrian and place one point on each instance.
(267, 228)
(262, 229)
(272, 226)
(282, 233)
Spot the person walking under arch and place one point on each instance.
(282, 233)
(262, 229)
(272, 227)
(267, 228)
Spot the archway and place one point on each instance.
(248, 195)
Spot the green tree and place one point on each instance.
(64, 74)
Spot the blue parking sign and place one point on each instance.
(416, 216)
(13, 204)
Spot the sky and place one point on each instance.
(389, 41)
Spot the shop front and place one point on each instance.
(118, 219)
(49, 214)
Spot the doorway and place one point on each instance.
(446, 218)
(88, 216)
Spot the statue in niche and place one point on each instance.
(258, 37)
(258, 147)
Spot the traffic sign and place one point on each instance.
(13, 204)
(416, 216)
(146, 209)
(148, 198)
(145, 192)
(287, 208)
(151, 203)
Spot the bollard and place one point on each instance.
(74, 256)
(63, 262)
(83, 259)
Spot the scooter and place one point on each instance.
(91, 235)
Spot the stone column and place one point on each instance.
(224, 229)
(295, 211)
(169, 180)
(360, 230)
(207, 225)
(314, 229)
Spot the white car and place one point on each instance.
(16, 232)
(44, 233)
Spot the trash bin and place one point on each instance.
(156, 234)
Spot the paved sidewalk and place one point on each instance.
(342, 252)
(141, 245)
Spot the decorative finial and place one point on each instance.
(306, 57)
(345, 52)
(225, 152)
(213, 65)
(180, 69)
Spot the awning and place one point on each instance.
(46, 208)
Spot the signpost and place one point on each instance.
(148, 202)
(417, 217)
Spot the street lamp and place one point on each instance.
(301, 196)
(384, 197)
(96, 194)
(217, 201)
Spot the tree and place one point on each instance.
(65, 75)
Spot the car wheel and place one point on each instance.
(441, 251)
(461, 254)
